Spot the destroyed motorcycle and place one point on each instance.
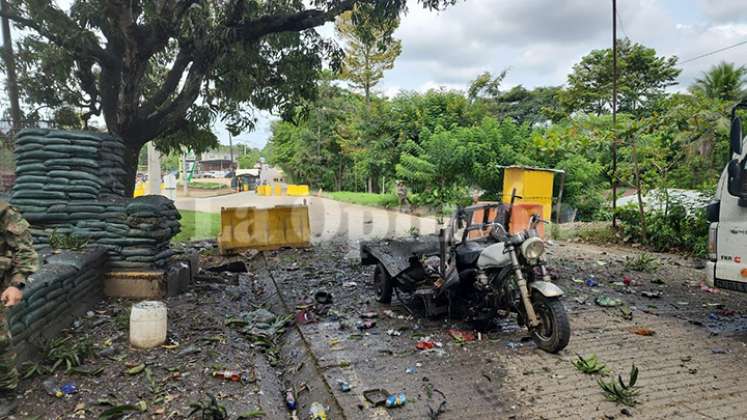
(476, 270)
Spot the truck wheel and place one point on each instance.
(383, 282)
(554, 331)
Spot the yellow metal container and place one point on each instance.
(264, 190)
(267, 228)
(534, 185)
(278, 189)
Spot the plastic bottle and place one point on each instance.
(396, 400)
(290, 400)
(229, 375)
(318, 412)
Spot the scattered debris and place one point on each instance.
(317, 411)
(591, 282)
(343, 385)
(652, 294)
(646, 332)
(396, 400)
(642, 262)
(461, 336)
(607, 302)
(377, 397)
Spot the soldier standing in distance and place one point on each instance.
(18, 260)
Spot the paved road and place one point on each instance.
(692, 368)
(329, 219)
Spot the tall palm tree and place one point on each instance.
(723, 81)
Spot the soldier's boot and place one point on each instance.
(8, 379)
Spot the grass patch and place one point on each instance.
(207, 185)
(198, 225)
(366, 199)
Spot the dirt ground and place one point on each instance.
(690, 367)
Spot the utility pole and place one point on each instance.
(614, 113)
(230, 148)
(11, 83)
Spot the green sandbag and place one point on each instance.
(81, 196)
(34, 218)
(30, 202)
(30, 167)
(86, 183)
(74, 162)
(28, 147)
(17, 328)
(53, 295)
(28, 186)
(76, 135)
(128, 241)
(31, 179)
(82, 215)
(37, 141)
(95, 224)
(140, 252)
(38, 302)
(41, 154)
(32, 209)
(72, 150)
(33, 132)
(40, 195)
(74, 207)
(113, 215)
(75, 175)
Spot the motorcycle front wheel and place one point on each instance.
(554, 331)
(383, 284)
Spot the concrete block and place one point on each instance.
(136, 284)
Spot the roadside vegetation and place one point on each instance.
(387, 200)
(197, 225)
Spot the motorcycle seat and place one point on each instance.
(468, 253)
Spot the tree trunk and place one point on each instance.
(641, 213)
(131, 158)
(10, 72)
(370, 185)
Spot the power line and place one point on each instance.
(622, 25)
(713, 52)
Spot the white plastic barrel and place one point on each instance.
(148, 324)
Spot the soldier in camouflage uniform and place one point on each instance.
(17, 261)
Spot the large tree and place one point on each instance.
(369, 51)
(724, 81)
(167, 69)
(642, 78)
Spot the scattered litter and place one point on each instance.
(290, 400)
(581, 299)
(369, 315)
(377, 397)
(461, 335)
(607, 301)
(652, 294)
(397, 400)
(323, 297)
(513, 346)
(591, 282)
(657, 280)
(727, 312)
(135, 370)
(601, 263)
(189, 350)
(577, 281)
(344, 386)
(424, 344)
(707, 289)
(626, 312)
(304, 317)
(393, 332)
(229, 375)
(410, 370)
(646, 332)
(627, 280)
(349, 284)
(365, 325)
(317, 411)
(389, 313)
(718, 350)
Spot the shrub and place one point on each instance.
(674, 229)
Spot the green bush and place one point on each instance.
(671, 230)
(366, 199)
(207, 185)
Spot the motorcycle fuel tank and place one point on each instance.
(493, 257)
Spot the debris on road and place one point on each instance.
(396, 400)
(607, 301)
(643, 331)
(461, 336)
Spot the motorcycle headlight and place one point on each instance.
(533, 248)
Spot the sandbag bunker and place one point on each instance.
(69, 184)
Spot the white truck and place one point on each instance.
(727, 237)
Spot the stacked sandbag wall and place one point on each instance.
(64, 288)
(70, 183)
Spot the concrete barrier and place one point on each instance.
(268, 228)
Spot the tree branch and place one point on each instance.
(170, 84)
(257, 28)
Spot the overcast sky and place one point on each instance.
(538, 41)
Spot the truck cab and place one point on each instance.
(727, 237)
